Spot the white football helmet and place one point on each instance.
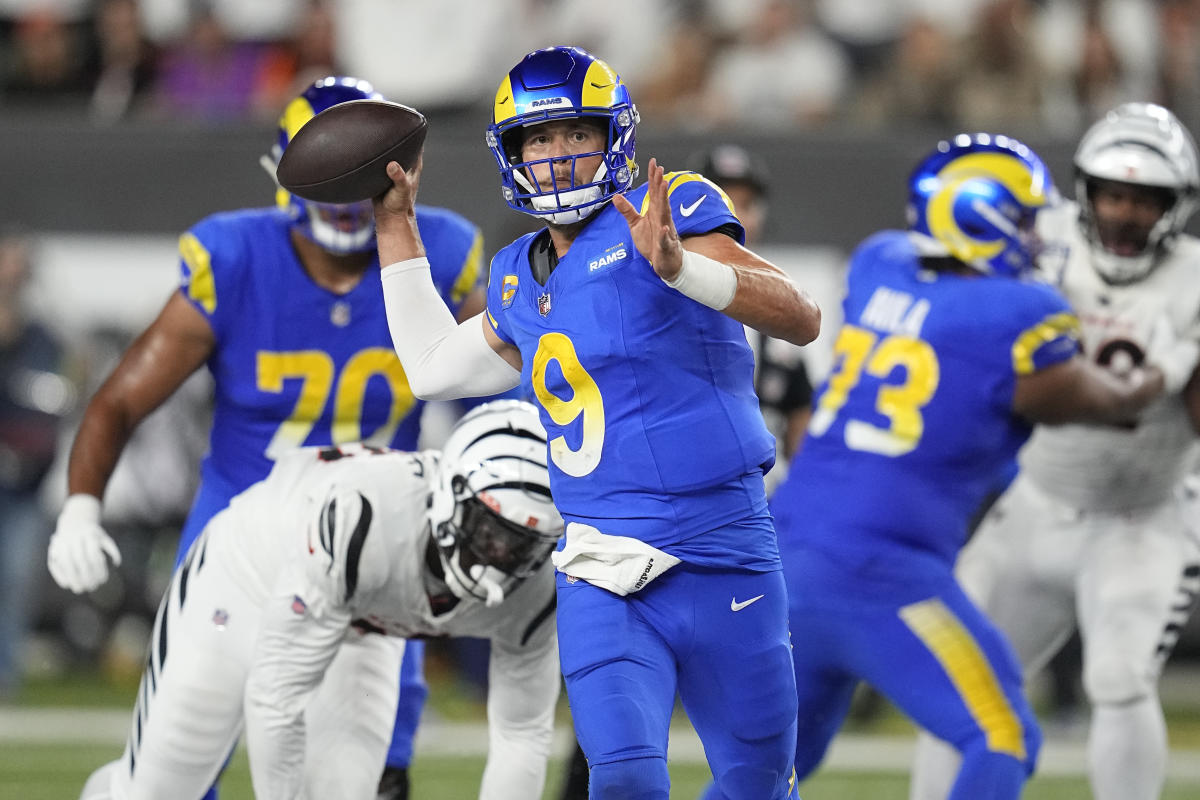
(1142, 144)
(491, 514)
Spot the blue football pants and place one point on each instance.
(929, 650)
(717, 638)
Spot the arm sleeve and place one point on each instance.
(457, 273)
(298, 638)
(442, 359)
(523, 685)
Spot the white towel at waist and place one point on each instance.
(620, 564)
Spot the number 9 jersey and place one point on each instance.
(891, 464)
(647, 396)
(296, 364)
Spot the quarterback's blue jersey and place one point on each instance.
(647, 396)
(296, 364)
(914, 429)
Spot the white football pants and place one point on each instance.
(188, 713)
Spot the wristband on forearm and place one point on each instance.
(705, 280)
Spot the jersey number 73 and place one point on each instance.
(861, 352)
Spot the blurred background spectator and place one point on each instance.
(999, 76)
(1179, 66)
(436, 56)
(123, 63)
(779, 71)
(211, 75)
(35, 394)
(45, 63)
(772, 65)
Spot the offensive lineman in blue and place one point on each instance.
(283, 306)
(948, 355)
(623, 319)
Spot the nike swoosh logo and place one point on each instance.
(734, 605)
(687, 211)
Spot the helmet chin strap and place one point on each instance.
(495, 594)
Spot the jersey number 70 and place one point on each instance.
(315, 370)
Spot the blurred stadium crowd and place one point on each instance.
(1046, 65)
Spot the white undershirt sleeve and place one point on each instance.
(443, 359)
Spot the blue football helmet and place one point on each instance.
(340, 229)
(562, 83)
(976, 197)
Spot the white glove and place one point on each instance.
(77, 549)
(1176, 356)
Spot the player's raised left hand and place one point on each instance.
(654, 233)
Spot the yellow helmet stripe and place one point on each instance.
(1012, 172)
(294, 117)
(505, 108)
(599, 84)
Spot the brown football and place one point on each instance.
(341, 154)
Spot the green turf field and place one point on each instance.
(56, 772)
(44, 765)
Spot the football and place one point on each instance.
(341, 154)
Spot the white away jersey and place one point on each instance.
(351, 522)
(332, 542)
(1109, 468)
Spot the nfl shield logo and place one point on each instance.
(544, 304)
(298, 605)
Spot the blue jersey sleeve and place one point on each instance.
(454, 247)
(211, 263)
(698, 205)
(1048, 334)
